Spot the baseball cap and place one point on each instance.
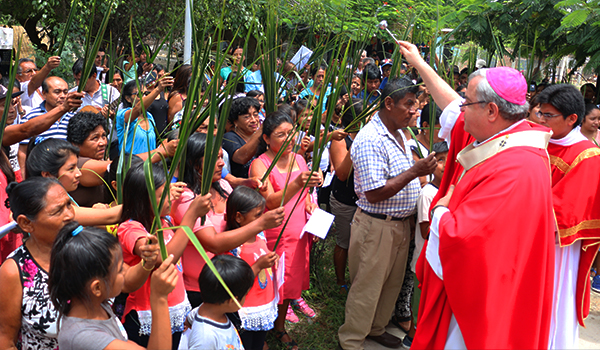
(4, 91)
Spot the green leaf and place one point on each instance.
(90, 56)
(67, 28)
(575, 18)
(148, 175)
(495, 6)
(477, 25)
(414, 137)
(568, 3)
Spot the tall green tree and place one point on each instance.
(527, 29)
(44, 20)
(581, 26)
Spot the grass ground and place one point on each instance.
(324, 297)
(327, 300)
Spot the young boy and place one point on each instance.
(371, 77)
(211, 328)
(425, 197)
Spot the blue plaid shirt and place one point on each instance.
(377, 157)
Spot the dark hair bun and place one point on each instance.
(11, 186)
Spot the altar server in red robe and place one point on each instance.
(575, 164)
(487, 271)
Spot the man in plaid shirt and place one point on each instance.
(386, 182)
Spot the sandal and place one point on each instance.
(396, 323)
(343, 287)
(279, 336)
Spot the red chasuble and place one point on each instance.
(452, 171)
(576, 196)
(496, 250)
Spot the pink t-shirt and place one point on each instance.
(191, 260)
(129, 232)
(262, 291)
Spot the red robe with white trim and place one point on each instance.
(496, 251)
(576, 197)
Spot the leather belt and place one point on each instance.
(383, 216)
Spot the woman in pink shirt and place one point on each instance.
(211, 235)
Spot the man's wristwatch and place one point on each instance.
(433, 209)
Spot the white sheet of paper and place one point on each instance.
(279, 277)
(328, 179)
(319, 223)
(301, 57)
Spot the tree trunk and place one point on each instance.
(31, 30)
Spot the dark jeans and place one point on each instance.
(253, 340)
(132, 327)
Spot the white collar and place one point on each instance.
(572, 138)
(477, 144)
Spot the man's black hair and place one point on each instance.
(371, 71)
(566, 99)
(78, 68)
(397, 88)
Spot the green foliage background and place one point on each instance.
(499, 28)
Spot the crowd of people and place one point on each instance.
(491, 210)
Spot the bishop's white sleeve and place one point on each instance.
(433, 247)
(448, 119)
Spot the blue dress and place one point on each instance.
(136, 135)
(307, 94)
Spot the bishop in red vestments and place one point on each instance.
(486, 273)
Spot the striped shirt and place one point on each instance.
(58, 130)
(377, 157)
